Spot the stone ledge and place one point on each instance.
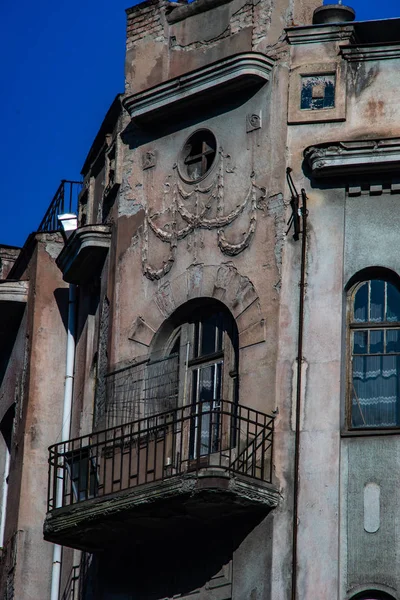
(178, 13)
(13, 291)
(220, 78)
(360, 53)
(155, 508)
(83, 255)
(319, 34)
(358, 157)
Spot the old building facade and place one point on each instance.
(208, 339)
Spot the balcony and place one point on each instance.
(83, 255)
(185, 468)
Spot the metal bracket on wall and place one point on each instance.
(297, 210)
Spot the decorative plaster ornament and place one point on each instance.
(206, 211)
(253, 122)
(149, 159)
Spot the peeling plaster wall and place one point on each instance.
(346, 234)
(249, 283)
(34, 380)
(158, 49)
(41, 420)
(242, 154)
(8, 256)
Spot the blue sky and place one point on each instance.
(62, 66)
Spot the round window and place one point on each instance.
(198, 155)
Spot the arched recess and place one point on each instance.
(219, 282)
(191, 366)
(372, 594)
(195, 352)
(373, 272)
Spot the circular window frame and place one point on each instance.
(182, 169)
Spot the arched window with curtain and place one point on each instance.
(374, 337)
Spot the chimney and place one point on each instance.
(333, 13)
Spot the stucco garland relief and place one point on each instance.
(189, 212)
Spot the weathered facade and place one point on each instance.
(212, 354)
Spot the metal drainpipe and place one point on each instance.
(298, 391)
(4, 498)
(66, 426)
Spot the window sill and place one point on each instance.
(369, 432)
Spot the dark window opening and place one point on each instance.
(372, 595)
(199, 154)
(82, 474)
(317, 92)
(7, 426)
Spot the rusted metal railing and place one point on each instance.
(65, 201)
(211, 434)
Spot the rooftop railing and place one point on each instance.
(218, 435)
(65, 201)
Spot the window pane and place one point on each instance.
(218, 382)
(194, 170)
(206, 424)
(376, 341)
(206, 395)
(361, 304)
(375, 391)
(196, 341)
(360, 345)
(83, 474)
(393, 303)
(211, 338)
(393, 340)
(206, 384)
(377, 305)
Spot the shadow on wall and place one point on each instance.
(175, 566)
(178, 119)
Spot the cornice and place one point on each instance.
(178, 13)
(13, 291)
(360, 53)
(222, 77)
(358, 157)
(319, 35)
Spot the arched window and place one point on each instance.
(374, 332)
(193, 360)
(203, 336)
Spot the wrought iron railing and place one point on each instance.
(65, 201)
(71, 589)
(217, 434)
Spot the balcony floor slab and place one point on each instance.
(150, 511)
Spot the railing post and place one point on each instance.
(199, 426)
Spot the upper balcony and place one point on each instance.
(65, 200)
(85, 250)
(185, 468)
